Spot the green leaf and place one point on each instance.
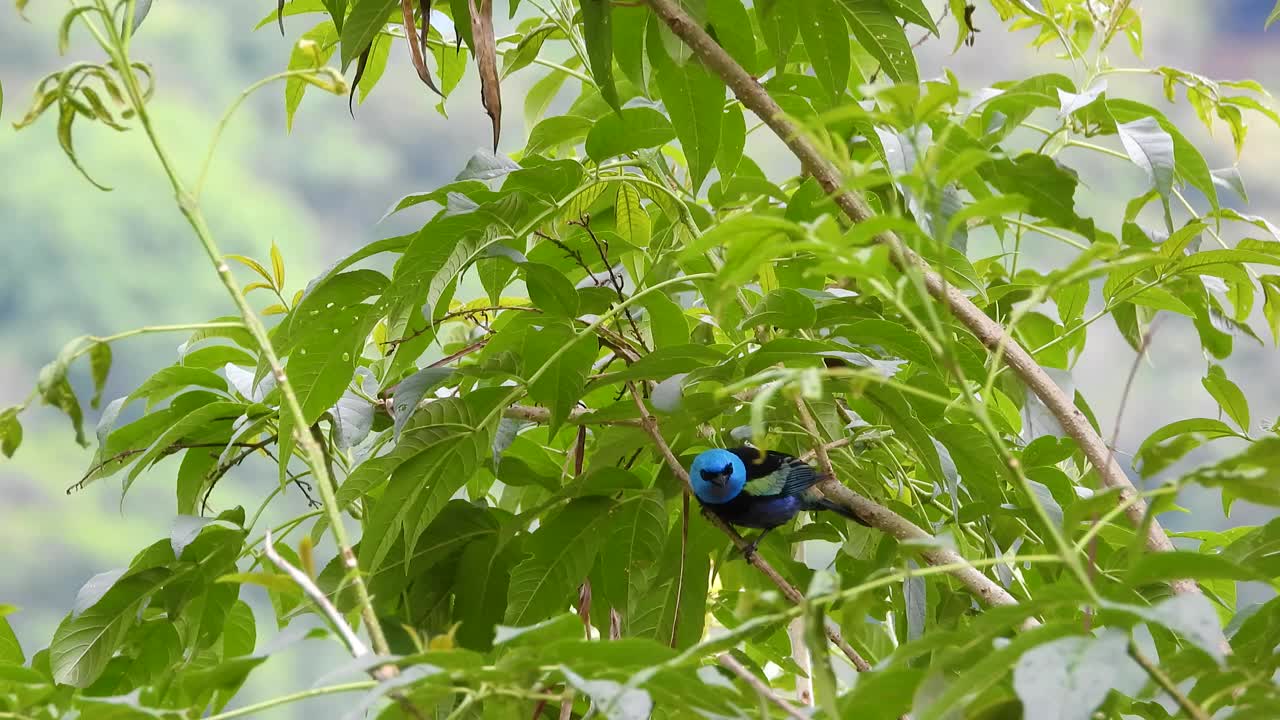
(627, 131)
(410, 392)
(1188, 162)
(200, 420)
(1168, 444)
(567, 360)
(374, 67)
(1071, 676)
(597, 30)
(1229, 396)
(665, 362)
(879, 33)
(731, 26)
(312, 50)
(899, 415)
(84, 642)
(695, 100)
(1252, 475)
(10, 649)
(561, 554)
(826, 41)
(668, 324)
(480, 596)
(777, 27)
(783, 308)
(437, 255)
(556, 131)
(366, 19)
(614, 700)
(913, 11)
(1271, 303)
(550, 290)
(672, 611)
(10, 430)
(539, 97)
(100, 366)
(633, 549)
(431, 463)
(1193, 617)
(322, 365)
(172, 379)
(1049, 189)
(1150, 148)
(1275, 15)
(989, 669)
(733, 138)
(1174, 564)
(975, 458)
(630, 219)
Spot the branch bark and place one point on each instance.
(891, 523)
(758, 685)
(990, 333)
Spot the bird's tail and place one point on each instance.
(825, 504)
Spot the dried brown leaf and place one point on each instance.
(417, 44)
(486, 51)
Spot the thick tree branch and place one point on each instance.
(990, 333)
(650, 425)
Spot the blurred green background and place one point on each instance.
(74, 260)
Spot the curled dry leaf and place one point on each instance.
(418, 44)
(486, 51)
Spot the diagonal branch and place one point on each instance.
(891, 523)
(758, 685)
(650, 425)
(990, 333)
(349, 637)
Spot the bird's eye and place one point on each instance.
(728, 469)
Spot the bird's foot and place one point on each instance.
(749, 551)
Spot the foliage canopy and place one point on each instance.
(513, 461)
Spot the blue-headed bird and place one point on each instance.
(750, 488)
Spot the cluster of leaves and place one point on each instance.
(522, 536)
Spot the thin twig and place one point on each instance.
(990, 333)
(349, 638)
(1164, 681)
(614, 280)
(1147, 337)
(577, 416)
(764, 691)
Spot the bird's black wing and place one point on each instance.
(759, 465)
(775, 474)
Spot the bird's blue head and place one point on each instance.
(717, 476)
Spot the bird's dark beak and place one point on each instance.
(720, 479)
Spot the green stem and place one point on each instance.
(1047, 233)
(1164, 681)
(1114, 512)
(153, 329)
(190, 209)
(293, 697)
(226, 118)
